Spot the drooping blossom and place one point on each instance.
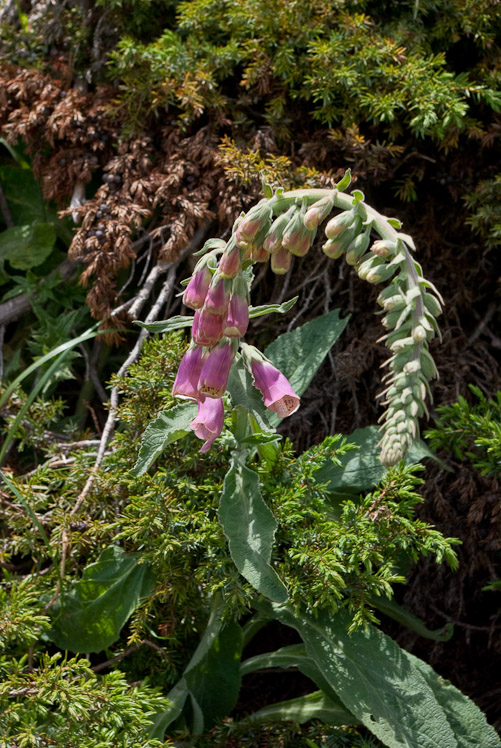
(188, 374)
(197, 288)
(209, 422)
(216, 370)
(207, 328)
(237, 320)
(275, 388)
(218, 295)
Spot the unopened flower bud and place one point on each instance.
(333, 248)
(230, 264)
(281, 261)
(341, 222)
(218, 295)
(318, 212)
(273, 239)
(255, 222)
(357, 247)
(383, 247)
(297, 238)
(419, 333)
(196, 290)
(412, 367)
(260, 254)
(216, 370)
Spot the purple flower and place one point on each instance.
(207, 327)
(196, 290)
(237, 320)
(188, 374)
(216, 370)
(209, 422)
(218, 295)
(275, 388)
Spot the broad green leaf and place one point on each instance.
(250, 527)
(393, 610)
(469, 724)
(166, 325)
(361, 469)
(299, 353)
(92, 614)
(374, 679)
(169, 426)
(23, 193)
(215, 681)
(28, 245)
(303, 709)
(260, 311)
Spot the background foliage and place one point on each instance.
(163, 117)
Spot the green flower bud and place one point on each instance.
(357, 247)
(318, 212)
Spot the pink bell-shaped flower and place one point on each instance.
(216, 370)
(218, 295)
(188, 374)
(209, 422)
(237, 320)
(207, 327)
(275, 388)
(196, 290)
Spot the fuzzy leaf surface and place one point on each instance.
(250, 527)
(167, 427)
(374, 679)
(470, 726)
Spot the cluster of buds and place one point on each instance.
(278, 227)
(410, 306)
(218, 292)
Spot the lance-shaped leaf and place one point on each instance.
(167, 427)
(166, 325)
(283, 308)
(250, 527)
(393, 610)
(314, 705)
(374, 679)
(92, 614)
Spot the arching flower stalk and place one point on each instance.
(279, 226)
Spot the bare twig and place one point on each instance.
(126, 653)
(163, 298)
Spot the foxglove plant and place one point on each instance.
(284, 224)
